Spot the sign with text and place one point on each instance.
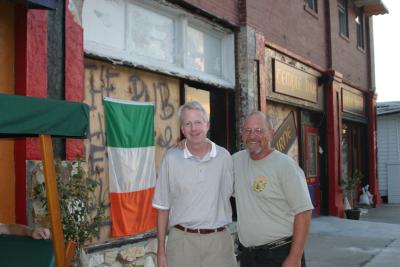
(353, 102)
(285, 135)
(294, 82)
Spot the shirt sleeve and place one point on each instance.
(161, 199)
(295, 188)
(228, 175)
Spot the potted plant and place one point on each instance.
(349, 187)
(81, 213)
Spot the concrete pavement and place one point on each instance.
(372, 241)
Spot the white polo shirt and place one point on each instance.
(196, 191)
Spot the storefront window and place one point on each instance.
(160, 37)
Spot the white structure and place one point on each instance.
(389, 150)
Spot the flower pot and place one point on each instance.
(353, 214)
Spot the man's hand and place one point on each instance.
(162, 225)
(161, 260)
(179, 144)
(41, 233)
(291, 262)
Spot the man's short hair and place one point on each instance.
(267, 119)
(193, 105)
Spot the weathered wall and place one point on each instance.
(105, 79)
(7, 175)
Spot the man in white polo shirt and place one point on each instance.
(192, 197)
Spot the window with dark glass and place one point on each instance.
(311, 4)
(360, 28)
(343, 18)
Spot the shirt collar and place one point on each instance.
(211, 154)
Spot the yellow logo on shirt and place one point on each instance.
(259, 183)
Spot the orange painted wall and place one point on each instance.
(7, 174)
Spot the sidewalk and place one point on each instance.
(372, 241)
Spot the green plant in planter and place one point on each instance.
(81, 215)
(349, 186)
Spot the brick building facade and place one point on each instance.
(307, 64)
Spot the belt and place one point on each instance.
(272, 245)
(199, 231)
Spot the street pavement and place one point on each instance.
(372, 241)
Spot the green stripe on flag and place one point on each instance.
(128, 124)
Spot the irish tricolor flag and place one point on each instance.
(131, 154)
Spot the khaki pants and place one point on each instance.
(200, 250)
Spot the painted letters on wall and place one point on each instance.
(105, 79)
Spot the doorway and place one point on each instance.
(312, 170)
(220, 105)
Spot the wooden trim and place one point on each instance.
(294, 56)
(74, 74)
(308, 63)
(69, 252)
(52, 200)
(260, 54)
(334, 140)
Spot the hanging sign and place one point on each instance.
(353, 102)
(294, 82)
(285, 135)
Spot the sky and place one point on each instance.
(387, 56)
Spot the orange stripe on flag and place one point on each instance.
(132, 213)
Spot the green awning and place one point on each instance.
(31, 116)
(19, 251)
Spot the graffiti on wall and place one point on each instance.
(108, 80)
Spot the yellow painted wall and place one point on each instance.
(7, 174)
(105, 79)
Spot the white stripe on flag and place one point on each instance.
(131, 169)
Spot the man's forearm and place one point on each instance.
(301, 227)
(162, 225)
(16, 229)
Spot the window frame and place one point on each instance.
(311, 6)
(176, 63)
(343, 18)
(360, 27)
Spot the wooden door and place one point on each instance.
(312, 168)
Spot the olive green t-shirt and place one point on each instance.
(269, 193)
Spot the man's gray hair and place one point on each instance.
(267, 119)
(193, 105)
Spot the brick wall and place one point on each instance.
(347, 59)
(225, 9)
(287, 24)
